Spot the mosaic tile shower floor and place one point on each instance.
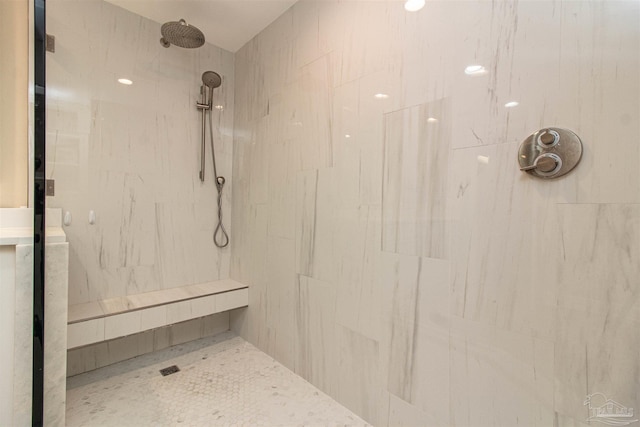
(223, 381)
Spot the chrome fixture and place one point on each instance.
(550, 153)
(181, 34)
(211, 80)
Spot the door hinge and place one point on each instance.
(50, 43)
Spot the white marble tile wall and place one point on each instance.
(132, 153)
(8, 316)
(55, 331)
(23, 346)
(397, 257)
(55, 355)
(106, 353)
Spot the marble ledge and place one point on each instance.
(16, 226)
(12, 236)
(130, 303)
(91, 331)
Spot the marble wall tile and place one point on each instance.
(282, 189)
(194, 329)
(345, 175)
(415, 291)
(23, 326)
(81, 359)
(609, 173)
(460, 282)
(306, 200)
(511, 58)
(504, 225)
(254, 93)
(313, 111)
(360, 296)
(314, 234)
(359, 52)
(185, 247)
(325, 220)
(259, 245)
(276, 41)
(105, 353)
(316, 341)
(204, 306)
(55, 332)
(213, 324)
(361, 378)
(17, 402)
(153, 317)
(251, 268)
(7, 317)
(280, 297)
(334, 23)
(402, 281)
(84, 333)
(179, 311)
(229, 300)
(345, 115)
(416, 157)
(305, 37)
(500, 378)
(257, 170)
(131, 153)
(122, 324)
(598, 312)
(403, 414)
(358, 140)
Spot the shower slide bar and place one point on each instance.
(203, 106)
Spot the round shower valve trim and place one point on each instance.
(548, 138)
(550, 153)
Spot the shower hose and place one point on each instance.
(220, 236)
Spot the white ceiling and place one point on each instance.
(228, 24)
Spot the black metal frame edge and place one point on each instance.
(39, 68)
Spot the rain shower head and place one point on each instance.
(211, 79)
(181, 34)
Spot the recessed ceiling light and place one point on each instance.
(512, 104)
(347, 136)
(218, 107)
(381, 96)
(432, 120)
(413, 5)
(475, 70)
(125, 81)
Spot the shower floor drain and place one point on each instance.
(170, 370)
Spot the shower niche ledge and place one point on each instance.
(97, 321)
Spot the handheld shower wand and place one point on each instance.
(212, 80)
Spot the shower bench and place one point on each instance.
(97, 321)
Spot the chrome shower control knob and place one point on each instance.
(550, 153)
(547, 164)
(548, 138)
